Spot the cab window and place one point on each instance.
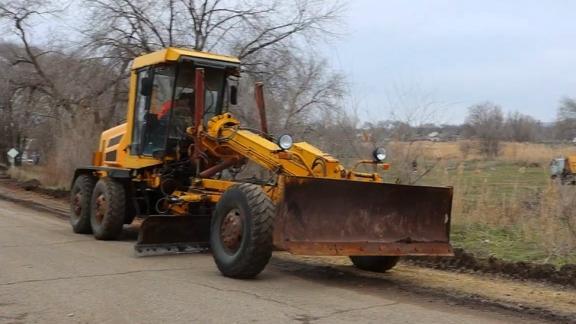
(152, 111)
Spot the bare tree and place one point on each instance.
(566, 120)
(485, 122)
(60, 95)
(129, 28)
(522, 128)
(304, 91)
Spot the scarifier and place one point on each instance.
(174, 169)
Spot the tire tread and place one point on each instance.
(111, 226)
(259, 249)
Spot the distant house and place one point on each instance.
(433, 137)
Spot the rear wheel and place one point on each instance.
(107, 209)
(80, 197)
(374, 263)
(241, 231)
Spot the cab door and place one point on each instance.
(153, 102)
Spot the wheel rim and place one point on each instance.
(231, 230)
(101, 208)
(76, 204)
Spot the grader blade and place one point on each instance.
(340, 217)
(164, 234)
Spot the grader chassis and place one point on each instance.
(176, 165)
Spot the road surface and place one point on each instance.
(50, 275)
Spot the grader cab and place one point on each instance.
(175, 169)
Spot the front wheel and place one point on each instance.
(374, 263)
(241, 231)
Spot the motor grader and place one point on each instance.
(563, 170)
(174, 170)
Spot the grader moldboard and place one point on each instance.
(175, 165)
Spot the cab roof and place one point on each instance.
(172, 54)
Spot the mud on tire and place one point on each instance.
(107, 209)
(80, 198)
(241, 231)
(374, 263)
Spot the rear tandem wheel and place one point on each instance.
(107, 209)
(80, 197)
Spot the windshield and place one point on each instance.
(214, 83)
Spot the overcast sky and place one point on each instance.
(518, 54)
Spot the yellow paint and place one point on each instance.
(172, 54)
(571, 164)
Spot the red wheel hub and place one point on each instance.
(76, 203)
(101, 208)
(231, 230)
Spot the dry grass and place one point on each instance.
(507, 207)
(49, 177)
(71, 147)
(467, 150)
(537, 225)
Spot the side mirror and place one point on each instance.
(233, 95)
(146, 86)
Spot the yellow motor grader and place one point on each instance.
(175, 169)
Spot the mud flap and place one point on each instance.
(342, 217)
(166, 234)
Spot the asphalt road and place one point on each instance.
(50, 275)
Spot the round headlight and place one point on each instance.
(285, 141)
(379, 154)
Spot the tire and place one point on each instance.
(374, 263)
(80, 198)
(244, 255)
(107, 209)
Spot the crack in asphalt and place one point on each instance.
(11, 283)
(308, 318)
(348, 310)
(253, 294)
(305, 318)
(45, 244)
(239, 291)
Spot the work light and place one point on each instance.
(285, 141)
(379, 154)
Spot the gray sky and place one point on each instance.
(518, 54)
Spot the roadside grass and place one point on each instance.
(510, 211)
(504, 242)
(507, 208)
(49, 177)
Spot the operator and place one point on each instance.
(184, 103)
(182, 116)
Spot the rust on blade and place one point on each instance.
(368, 248)
(341, 217)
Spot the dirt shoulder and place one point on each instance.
(539, 299)
(552, 302)
(13, 191)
